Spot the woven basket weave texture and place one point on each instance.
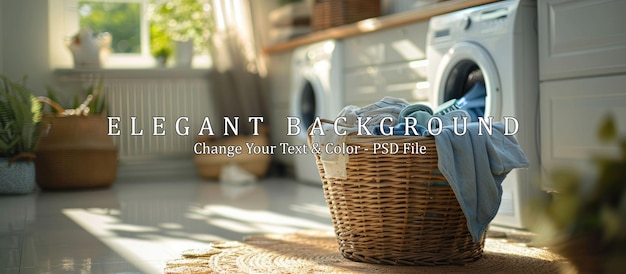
(397, 208)
(332, 13)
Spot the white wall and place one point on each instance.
(1, 41)
(24, 42)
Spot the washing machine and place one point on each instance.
(495, 45)
(316, 91)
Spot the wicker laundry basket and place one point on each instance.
(397, 208)
(332, 13)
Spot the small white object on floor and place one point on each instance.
(234, 174)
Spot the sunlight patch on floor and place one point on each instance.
(313, 209)
(253, 221)
(148, 253)
(150, 247)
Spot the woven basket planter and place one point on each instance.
(332, 13)
(75, 152)
(397, 208)
(209, 166)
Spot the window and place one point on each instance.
(125, 20)
(121, 20)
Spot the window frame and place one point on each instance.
(144, 25)
(64, 23)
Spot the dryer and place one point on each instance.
(495, 44)
(316, 91)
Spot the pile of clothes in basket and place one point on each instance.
(475, 153)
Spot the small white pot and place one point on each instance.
(184, 54)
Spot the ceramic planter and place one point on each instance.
(75, 152)
(17, 177)
(184, 54)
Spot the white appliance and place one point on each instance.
(496, 44)
(316, 91)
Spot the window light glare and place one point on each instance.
(418, 64)
(369, 24)
(422, 85)
(329, 47)
(84, 10)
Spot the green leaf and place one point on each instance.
(52, 95)
(611, 222)
(19, 114)
(36, 109)
(77, 102)
(607, 131)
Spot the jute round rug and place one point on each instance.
(317, 252)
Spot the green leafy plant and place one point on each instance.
(93, 102)
(20, 113)
(590, 212)
(183, 20)
(160, 43)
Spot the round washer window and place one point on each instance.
(466, 80)
(307, 106)
(467, 71)
(461, 79)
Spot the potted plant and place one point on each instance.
(586, 219)
(187, 22)
(74, 150)
(160, 45)
(20, 114)
(161, 55)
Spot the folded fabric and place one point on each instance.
(402, 129)
(410, 109)
(448, 118)
(335, 164)
(473, 102)
(420, 116)
(475, 167)
(388, 107)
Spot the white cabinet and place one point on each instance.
(391, 62)
(581, 38)
(582, 59)
(387, 46)
(572, 110)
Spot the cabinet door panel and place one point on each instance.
(387, 46)
(571, 112)
(581, 38)
(405, 80)
(361, 86)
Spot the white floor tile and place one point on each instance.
(135, 227)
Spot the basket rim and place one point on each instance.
(354, 137)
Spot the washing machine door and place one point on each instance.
(463, 65)
(306, 102)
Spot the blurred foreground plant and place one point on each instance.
(588, 225)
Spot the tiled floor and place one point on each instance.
(135, 227)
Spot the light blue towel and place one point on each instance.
(475, 167)
(388, 107)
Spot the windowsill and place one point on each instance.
(137, 66)
(149, 72)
